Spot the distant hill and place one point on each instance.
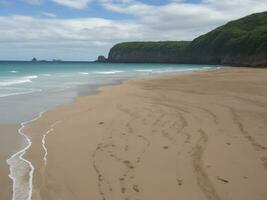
(242, 43)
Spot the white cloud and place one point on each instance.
(87, 37)
(211, 11)
(29, 30)
(48, 14)
(76, 4)
(51, 35)
(184, 20)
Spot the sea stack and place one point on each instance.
(101, 59)
(34, 60)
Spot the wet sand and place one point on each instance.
(10, 143)
(201, 136)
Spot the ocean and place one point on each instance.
(28, 89)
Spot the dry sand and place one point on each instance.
(201, 136)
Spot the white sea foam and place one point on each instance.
(144, 70)
(26, 79)
(182, 70)
(20, 168)
(13, 71)
(207, 68)
(14, 82)
(31, 77)
(84, 73)
(165, 70)
(44, 140)
(12, 93)
(47, 75)
(110, 72)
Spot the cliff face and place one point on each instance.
(149, 52)
(101, 59)
(242, 42)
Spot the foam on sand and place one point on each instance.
(44, 139)
(20, 168)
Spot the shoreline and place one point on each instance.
(113, 134)
(8, 145)
(23, 125)
(18, 157)
(99, 90)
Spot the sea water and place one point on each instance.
(27, 89)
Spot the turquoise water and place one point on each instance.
(28, 88)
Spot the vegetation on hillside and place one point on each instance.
(243, 37)
(240, 42)
(154, 52)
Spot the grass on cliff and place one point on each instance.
(152, 45)
(246, 36)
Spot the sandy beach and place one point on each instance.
(200, 136)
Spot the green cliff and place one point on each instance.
(149, 52)
(242, 42)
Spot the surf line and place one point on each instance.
(13, 162)
(44, 139)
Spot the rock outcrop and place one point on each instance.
(101, 59)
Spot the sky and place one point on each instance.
(84, 29)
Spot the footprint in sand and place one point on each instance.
(135, 188)
(101, 123)
(126, 148)
(179, 182)
(166, 147)
(264, 160)
(128, 164)
(222, 180)
(123, 190)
